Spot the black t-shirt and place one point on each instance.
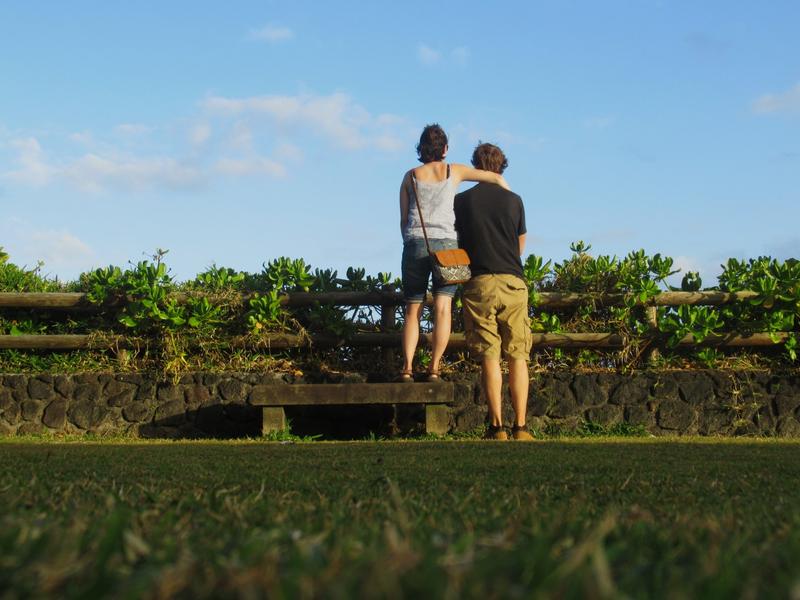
(489, 221)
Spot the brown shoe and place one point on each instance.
(432, 376)
(496, 433)
(521, 434)
(405, 377)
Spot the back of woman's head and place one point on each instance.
(432, 143)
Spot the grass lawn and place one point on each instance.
(564, 518)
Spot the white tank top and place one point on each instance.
(436, 200)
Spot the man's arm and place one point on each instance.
(465, 173)
(522, 229)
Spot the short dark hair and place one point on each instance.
(489, 158)
(432, 143)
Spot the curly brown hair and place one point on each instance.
(489, 158)
(432, 143)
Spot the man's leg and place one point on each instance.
(410, 337)
(492, 381)
(518, 384)
(442, 309)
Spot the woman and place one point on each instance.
(436, 183)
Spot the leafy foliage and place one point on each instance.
(191, 322)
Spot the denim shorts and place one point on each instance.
(417, 269)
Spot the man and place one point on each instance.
(490, 223)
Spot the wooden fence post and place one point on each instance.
(388, 322)
(651, 313)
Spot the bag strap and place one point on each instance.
(419, 210)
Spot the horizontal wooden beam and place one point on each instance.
(46, 300)
(50, 342)
(457, 342)
(73, 300)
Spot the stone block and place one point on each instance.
(716, 422)
(55, 414)
(635, 390)
(437, 419)
(87, 392)
(725, 383)
(41, 388)
(6, 429)
(639, 414)
(696, 389)
(31, 410)
(86, 414)
(560, 399)
(64, 385)
(171, 413)
(146, 392)
(677, 415)
(470, 416)
(168, 392)
(132, 378)
(9, 408)
(137, 412)
(120, 393)
(273, 419)
(587, 391)
(31, 429)
(14, 381)
(85, 378)
(197, 395)
(606, 415)
(665, 388)
(212, 379)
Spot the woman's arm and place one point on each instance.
(405, 200)
(465, 173)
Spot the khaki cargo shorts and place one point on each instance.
(496, 317)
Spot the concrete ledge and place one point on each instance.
(352, 393)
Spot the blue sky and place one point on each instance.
(237, 132)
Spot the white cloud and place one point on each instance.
(289, 152)
(252, 136)
(199, 134)
(60, 248)
(82, 137)
(132, 129)
(94, 173)
(241, 137)
(250, 166)
(271, 33)
(430, 57)
(336, 117)
(427, 55)
(28, 244)
(788, 101)
(32, 167)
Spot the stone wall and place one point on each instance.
(202, 405)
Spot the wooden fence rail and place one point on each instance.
(388, 339)
(71, 300)
(384, 340)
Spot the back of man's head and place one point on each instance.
(489, 158)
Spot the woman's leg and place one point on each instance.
(442, 322)
(413, 312)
